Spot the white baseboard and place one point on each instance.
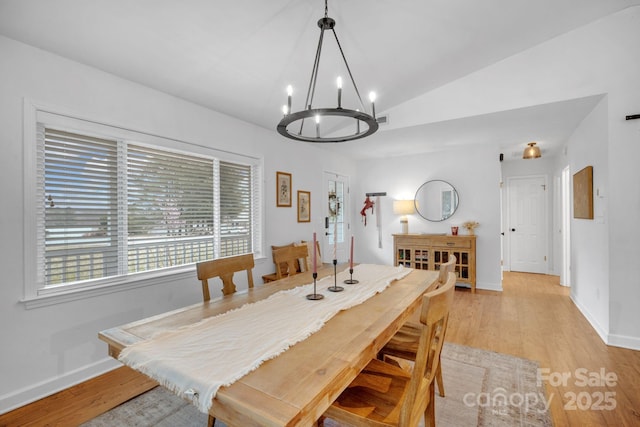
(490, 286)
(623, 341)
(632, 343)
(11, 401)
(602, 332)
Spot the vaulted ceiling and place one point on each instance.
(238, 56)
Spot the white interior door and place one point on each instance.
(336, 214)
(527, 228)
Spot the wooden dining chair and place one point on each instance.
(224, 268)
(384, 394)
(292, 256)
(404, 344)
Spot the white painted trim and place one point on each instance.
(489, 286)
(604, 335)
(34, 112)
(125, 283)
(18, 398)
(624, 341)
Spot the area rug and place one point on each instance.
(483, 388)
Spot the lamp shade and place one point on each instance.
(531, 152)
(403, 207)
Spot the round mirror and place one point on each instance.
(436, 200)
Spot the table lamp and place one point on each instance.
(404, 208)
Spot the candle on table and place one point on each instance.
(351, 255)
(315, 263)
(335, 238)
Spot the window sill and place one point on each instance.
(139, 281)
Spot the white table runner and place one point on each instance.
(196, 360)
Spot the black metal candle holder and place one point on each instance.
(351, 280)
(335, 287)
(314, 295)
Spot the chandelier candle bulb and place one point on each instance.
(318, 126)
(285, 110)
(339, 83)
(289, 93)
(372, 98)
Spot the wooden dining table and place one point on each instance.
(296, 387)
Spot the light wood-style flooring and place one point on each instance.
(532, 318)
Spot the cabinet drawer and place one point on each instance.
(454, 243)
(411, 241)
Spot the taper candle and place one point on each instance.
(351, 255)
(335, 238)
(315, 262)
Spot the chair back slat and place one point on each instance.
(224, 268)
(434, 316)
(290, 255)
(445, 269)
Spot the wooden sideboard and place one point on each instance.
(428, 251)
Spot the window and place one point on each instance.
(110, 208)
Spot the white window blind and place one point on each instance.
(81, 207)
(170, 208)
(235, 209)
(113, 208)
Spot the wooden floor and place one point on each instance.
(533, 318)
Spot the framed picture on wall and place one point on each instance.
(304, 206)
(583, 193)
(283, 189)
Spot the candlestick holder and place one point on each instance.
(335, 287)
(314, 295)
(351, 280)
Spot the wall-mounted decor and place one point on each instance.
(283, 189)
(583, 193)
(304, 206)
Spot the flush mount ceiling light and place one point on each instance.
(296, 120)
(531, 152)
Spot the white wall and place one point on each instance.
(599, 58)
(590, 286)
(475, 173)
(49, 348)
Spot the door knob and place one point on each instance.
(513, 229)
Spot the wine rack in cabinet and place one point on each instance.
(428, 251)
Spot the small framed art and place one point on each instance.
(583, 193)
(304, 206)
(283, 189)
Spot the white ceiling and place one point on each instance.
(237, 56)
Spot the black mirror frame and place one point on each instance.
(457, 196)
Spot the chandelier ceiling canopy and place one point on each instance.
(359, 123)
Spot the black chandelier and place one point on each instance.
(292, 118)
